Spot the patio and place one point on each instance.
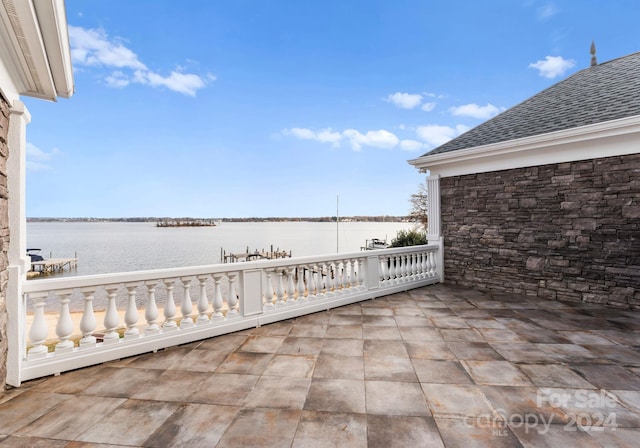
(434, 366)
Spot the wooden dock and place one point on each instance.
(255, 255)
(53, 265)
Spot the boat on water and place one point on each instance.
(32, 253)
(375, 243)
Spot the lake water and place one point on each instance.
(103, 248)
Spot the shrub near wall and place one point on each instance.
(568, 231)
(4, 238)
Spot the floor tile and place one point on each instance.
(246, 363)
(343, 347)
(397, 431)
(381, 333)
(269, 392)
(336, 395)
(467, 433)
(28, 407)
(477, 351)
(501, 373)
(325, 429)
(395, 398)
(224, 389)
(294, 345)
(262, 344)
(441, 372)
(339, 367)
(261, 427)
(389, 368)
(290, 366)
(385, 348)
(344, 331)
(71, 418)
(456, 400)
(554, 375)
(429, 350)
(608, 376)
(420, 334)
(130, 424)
(193, 425)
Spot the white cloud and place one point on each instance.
(428, 107)
(553, 66)
(436, 135)
(405, 100)
(94, 48)
(411, 145)
(475, 111)
(547, 11)
(378, 139)
(37, 158)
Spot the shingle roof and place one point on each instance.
(596, 94)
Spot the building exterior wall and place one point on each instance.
(4, 238)
(567, 231)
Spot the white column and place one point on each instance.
(19, 263)
(433, 208)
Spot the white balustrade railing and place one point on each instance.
(213, 300)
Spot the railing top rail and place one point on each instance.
(31, 286)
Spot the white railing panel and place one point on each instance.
(227, 298)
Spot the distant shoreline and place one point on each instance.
(383, 218)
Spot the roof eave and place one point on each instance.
(581, 143)
(37, 36)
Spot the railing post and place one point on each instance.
(111, 317)
(186, 307)
(131, 315)
(169, 306)
(203, 301)
(39, 331)
(88, 321)
(151, 311)
(232, 300)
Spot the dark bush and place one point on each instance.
(412, 237)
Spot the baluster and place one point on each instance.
(88, 321)
(354, 274)
(268, 303)
(203, 301)
(398, 268)
(280, 290)
(218, 302)
(321, 281)
(186, 307)
(131, 315)
(151, 311)
(414, 264)
(291, 288)
(362, 267)
(64, 328)
(170, 306)
(311, 282)
(383, 269)
(432, 259)
(426, 266)
(329, 281)
(232, 300)
(301, 287)
(403, 265)
(345, 275)
(39, 331)
(111, 317)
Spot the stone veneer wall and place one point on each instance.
(568, 231)
(4, 238)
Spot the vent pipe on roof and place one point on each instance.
(594, 60)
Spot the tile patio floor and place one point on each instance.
(436, 366)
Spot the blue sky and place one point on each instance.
(246, 108)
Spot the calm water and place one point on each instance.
(120, 247)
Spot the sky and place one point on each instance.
(255, 108)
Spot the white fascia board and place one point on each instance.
(607, 139)
(52, 17)
(34, 48)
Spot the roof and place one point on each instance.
(35, 58)
(597, 94)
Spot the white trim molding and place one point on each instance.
(35, 59)
(607, 139)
